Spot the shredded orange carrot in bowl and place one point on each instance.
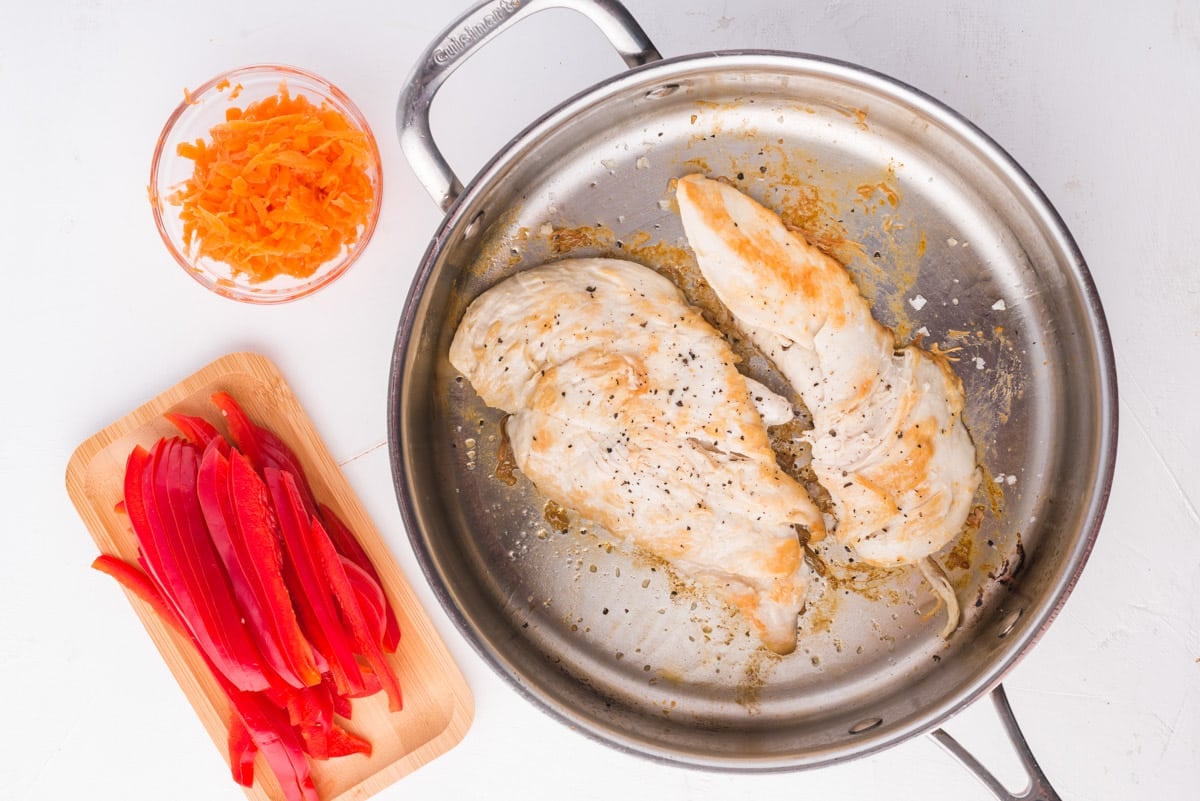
(281, 187)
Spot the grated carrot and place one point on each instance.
(280, 188)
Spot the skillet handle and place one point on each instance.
(1038, 788)
(462, 38)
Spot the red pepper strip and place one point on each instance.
(320, 639)
(279, 743)
(311, 713)
(241, 429)
(135, 506)
(266, 450)
(253, 711)
(261, 547)
(215, 586)
(245, 538)
(212, 480)
(342, 705)
(369, 594)
(344, 743)
(312, 593)
(194, 576)
(311, 705)
(348, 546)
(311, 626)
(282, 457)
(371, 682)
(241, 752)
(261, 445)
(140, 585)
(195, 430)
(351, 609)
(155, 552)
(145, 585)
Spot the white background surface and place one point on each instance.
(1100, 102)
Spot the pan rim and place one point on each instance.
(1058, 238)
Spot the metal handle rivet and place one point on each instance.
(865, 725)
(1009, 623)
(666, 90)
(473, 226)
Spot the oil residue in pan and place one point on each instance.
(627, 616)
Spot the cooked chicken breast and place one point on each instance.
(627, 408)
(888, 442)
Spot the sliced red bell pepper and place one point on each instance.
(266, 450)
(135, 507)
(348, 545)
(332, 590)
(263, 448)
(212, 491)
(261, 539)
(351, 609)
(190, 571)
(278, 742)
(261, 534)
(282, 457)
(265, 725)
(312, 628)
(241, 752)
(342, 706)
(313, 703)
(241, 429)
(344, 743)
(237, 512)
(310, 711)
(371, 682)
(312, 595)
(195, 430)
(370, 597)
(143, 587)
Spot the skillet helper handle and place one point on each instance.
(462, 38)
(1038, 788)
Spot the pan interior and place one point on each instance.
(948, 241)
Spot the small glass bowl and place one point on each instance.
(192, 120)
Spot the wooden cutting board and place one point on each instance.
(437, 702)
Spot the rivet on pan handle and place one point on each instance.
(1038, 789)
(462, 38)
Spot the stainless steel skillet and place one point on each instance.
(951, 241)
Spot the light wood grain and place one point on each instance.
(438, 706)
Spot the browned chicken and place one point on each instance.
(627, 408)
(888, 442)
